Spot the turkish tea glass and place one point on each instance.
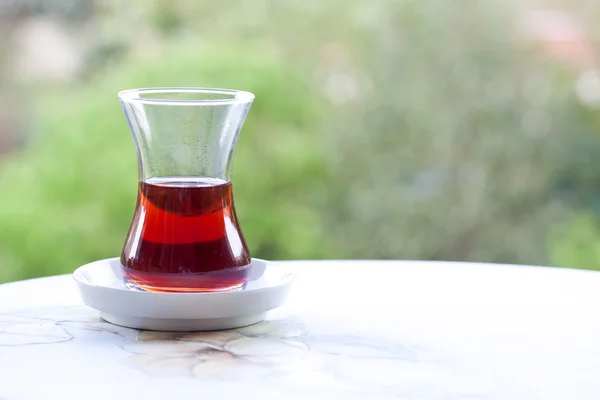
(185, 235)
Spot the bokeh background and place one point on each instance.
(433, 129)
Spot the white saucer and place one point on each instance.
(102, 287)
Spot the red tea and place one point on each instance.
(185, 237)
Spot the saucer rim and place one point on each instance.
(287, 279)
(152, 306)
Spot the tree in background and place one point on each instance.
(454, 139)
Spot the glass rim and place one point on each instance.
(237, 96)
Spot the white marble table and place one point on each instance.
(351, 330)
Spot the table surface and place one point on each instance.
(350, 330)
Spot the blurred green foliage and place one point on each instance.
(577, 244)
(459, 142)
(426, 130)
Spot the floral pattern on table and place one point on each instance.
(279, 352)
